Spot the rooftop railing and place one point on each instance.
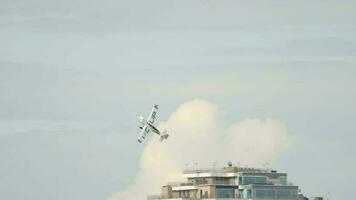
(215, 182)
(155, 197)
(225, 170)
(174, 184)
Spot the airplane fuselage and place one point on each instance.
(147, 125)
(154, 129)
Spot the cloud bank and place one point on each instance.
(198, 134)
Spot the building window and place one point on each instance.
(225, 192)
(265, 194)
(285, 194)
(282, 180)
(200, 181)
(247, 194)
(247, 180)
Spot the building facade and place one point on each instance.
(230, 183)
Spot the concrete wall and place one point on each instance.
(206, 191)
(166, 191)
(193, 194)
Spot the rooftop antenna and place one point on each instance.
(196, 168)
(328, 195)
(268, 166)
(265, 165)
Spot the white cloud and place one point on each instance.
(254, 141)
(199, 134)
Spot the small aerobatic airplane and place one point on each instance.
(147, 126)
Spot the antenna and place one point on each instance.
(196, 168)
(328, 195)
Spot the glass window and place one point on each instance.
(265, 194)
(225, 192)
(286, 193)
(261, 180)
(247, 180)
(290, 194)
(282, 180)
(200, 181)
(247, 194)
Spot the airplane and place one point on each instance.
(147, 126)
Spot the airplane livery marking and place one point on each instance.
(147, 126)
(147, 129)
(153, 117)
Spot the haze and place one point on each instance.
(75, 74)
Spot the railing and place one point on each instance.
(155, 197)
(173, 184)
(202, 170)
(220, 182)
(213, 170)
(159, 198)
(176, 184)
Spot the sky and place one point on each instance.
(74, 76)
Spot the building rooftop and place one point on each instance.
(229, 169)
(230, 182)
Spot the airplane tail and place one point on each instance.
(163, 135)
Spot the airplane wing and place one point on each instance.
(145, 130)
(152, 117)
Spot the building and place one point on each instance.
(230, 182)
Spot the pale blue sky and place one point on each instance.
(75, 74)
